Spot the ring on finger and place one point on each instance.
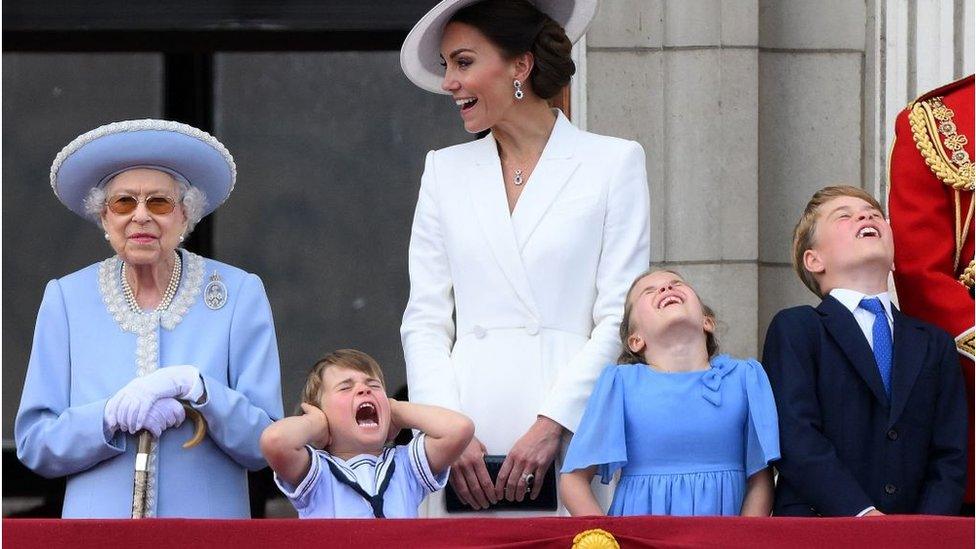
(528, 479)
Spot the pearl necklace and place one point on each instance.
(174, 282)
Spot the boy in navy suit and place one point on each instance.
(872, 410)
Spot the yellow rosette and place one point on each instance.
(595, 539)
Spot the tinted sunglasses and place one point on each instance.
(125, 204)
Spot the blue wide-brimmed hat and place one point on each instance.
(96, 156)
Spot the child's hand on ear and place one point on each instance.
(318, 425)
(395, 426)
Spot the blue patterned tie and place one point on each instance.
(881, 334)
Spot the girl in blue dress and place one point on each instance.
(692, 433)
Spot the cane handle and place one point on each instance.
(199, 426)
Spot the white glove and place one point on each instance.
(165, 413)
(127, 409)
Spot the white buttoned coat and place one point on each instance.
(512, 316)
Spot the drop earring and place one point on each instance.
(518, 90)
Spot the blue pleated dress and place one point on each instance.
(685, 442)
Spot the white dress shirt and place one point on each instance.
(865, 318)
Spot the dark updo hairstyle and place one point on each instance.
(516, 27)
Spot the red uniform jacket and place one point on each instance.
(930, 203)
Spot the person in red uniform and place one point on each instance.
(930, 202)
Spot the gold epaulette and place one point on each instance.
(941, 145)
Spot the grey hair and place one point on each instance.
(193, 199)
(94, 203)
(194, 203)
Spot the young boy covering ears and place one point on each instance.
(334, 460)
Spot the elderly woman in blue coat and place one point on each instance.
(121, 346)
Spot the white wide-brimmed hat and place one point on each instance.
(420, 54)
(94, 157)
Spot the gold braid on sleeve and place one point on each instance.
(928, 119)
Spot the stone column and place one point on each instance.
(681, 77)
(811, 74)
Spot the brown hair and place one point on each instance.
(629, 357)
(517, 27)
(806, 227)
(342, 358)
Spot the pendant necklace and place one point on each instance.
(519, 175)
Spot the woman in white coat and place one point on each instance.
(523, 243)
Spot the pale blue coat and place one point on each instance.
(82, 354)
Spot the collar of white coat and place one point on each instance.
(561, 144)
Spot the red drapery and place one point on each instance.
(658, 532)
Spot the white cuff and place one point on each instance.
(866, 511)
(299, 493)
(417, 453)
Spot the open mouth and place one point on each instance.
(668, 301)
(466, 104)
(868, 232)
(367, 416)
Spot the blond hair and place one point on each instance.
(342, 358)
(806, 227)
(629, 357)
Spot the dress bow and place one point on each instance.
(712, 380)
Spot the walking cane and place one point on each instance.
(140, 482)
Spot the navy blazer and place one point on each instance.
(844, 445)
